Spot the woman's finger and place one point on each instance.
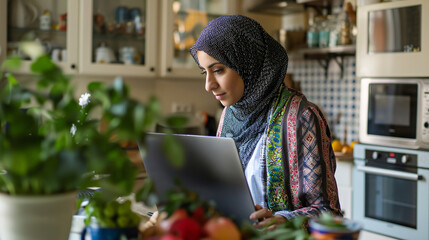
(262, 213)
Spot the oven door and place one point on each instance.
(391, 202)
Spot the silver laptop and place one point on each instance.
(212, 169)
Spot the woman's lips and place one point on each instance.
(219, 96)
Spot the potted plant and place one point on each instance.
(111, 220)
(51, 146)
(327, 226)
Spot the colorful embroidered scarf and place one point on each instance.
(277, 197)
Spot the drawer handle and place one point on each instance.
(390, 173)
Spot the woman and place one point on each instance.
(283, 140)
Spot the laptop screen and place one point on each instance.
(212, 169)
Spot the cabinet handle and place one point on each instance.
(169, 69)
(152, 69)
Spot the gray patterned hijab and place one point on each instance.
(241, 44)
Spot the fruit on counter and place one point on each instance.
(113, 214)
(220, 228)
(346, 149)
(180, 213)
(336, 145)
(167, 237)
(186, 228)
(353, 144)
(184, 225)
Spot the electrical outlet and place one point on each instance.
(178, 107)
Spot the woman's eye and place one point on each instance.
(218, 70)
(203, 73)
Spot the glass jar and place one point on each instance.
(313, 30)
(334, 31)
(324, 33)
(312, 36)
(345, 29)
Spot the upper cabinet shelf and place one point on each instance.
(346, 50)
(325, 55)
(139, 38)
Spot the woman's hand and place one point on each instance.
(266, 218)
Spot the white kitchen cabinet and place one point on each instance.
(182, 22)
(343, 175)
(118, 37)
(21, 18)
(104, 37)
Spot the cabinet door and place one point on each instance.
(50, 22)
(182, 22)
(117, 37)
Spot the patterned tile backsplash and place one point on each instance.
(337, 97)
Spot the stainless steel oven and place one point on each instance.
(391, 191)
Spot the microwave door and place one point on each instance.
(394, 30)
(392, 110)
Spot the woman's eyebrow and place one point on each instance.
(210, 66)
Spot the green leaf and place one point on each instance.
(42, 64)
(139, 114)
(11, 63)
(96, 86)
(177, 121)
(174, 151)
(12, 79)
(330, 220)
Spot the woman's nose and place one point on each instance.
(211, 83)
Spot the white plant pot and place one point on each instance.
(36, 217)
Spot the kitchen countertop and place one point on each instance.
(343, 156)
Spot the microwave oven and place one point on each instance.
(395, 112)
(393, 39)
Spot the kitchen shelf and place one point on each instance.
(119, 37)
(36, 30)
(325, 55)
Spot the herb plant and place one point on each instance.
(49, 143)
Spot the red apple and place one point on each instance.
(198, 215)
(178, 214)
(170, 237)
(220, 228)
(186, 228)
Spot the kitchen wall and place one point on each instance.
(338, 97)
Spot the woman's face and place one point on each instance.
(222, 81)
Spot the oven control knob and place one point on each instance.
(404, 159)
(375, 155)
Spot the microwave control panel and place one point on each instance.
(425, 115)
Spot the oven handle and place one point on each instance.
(390, 173)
